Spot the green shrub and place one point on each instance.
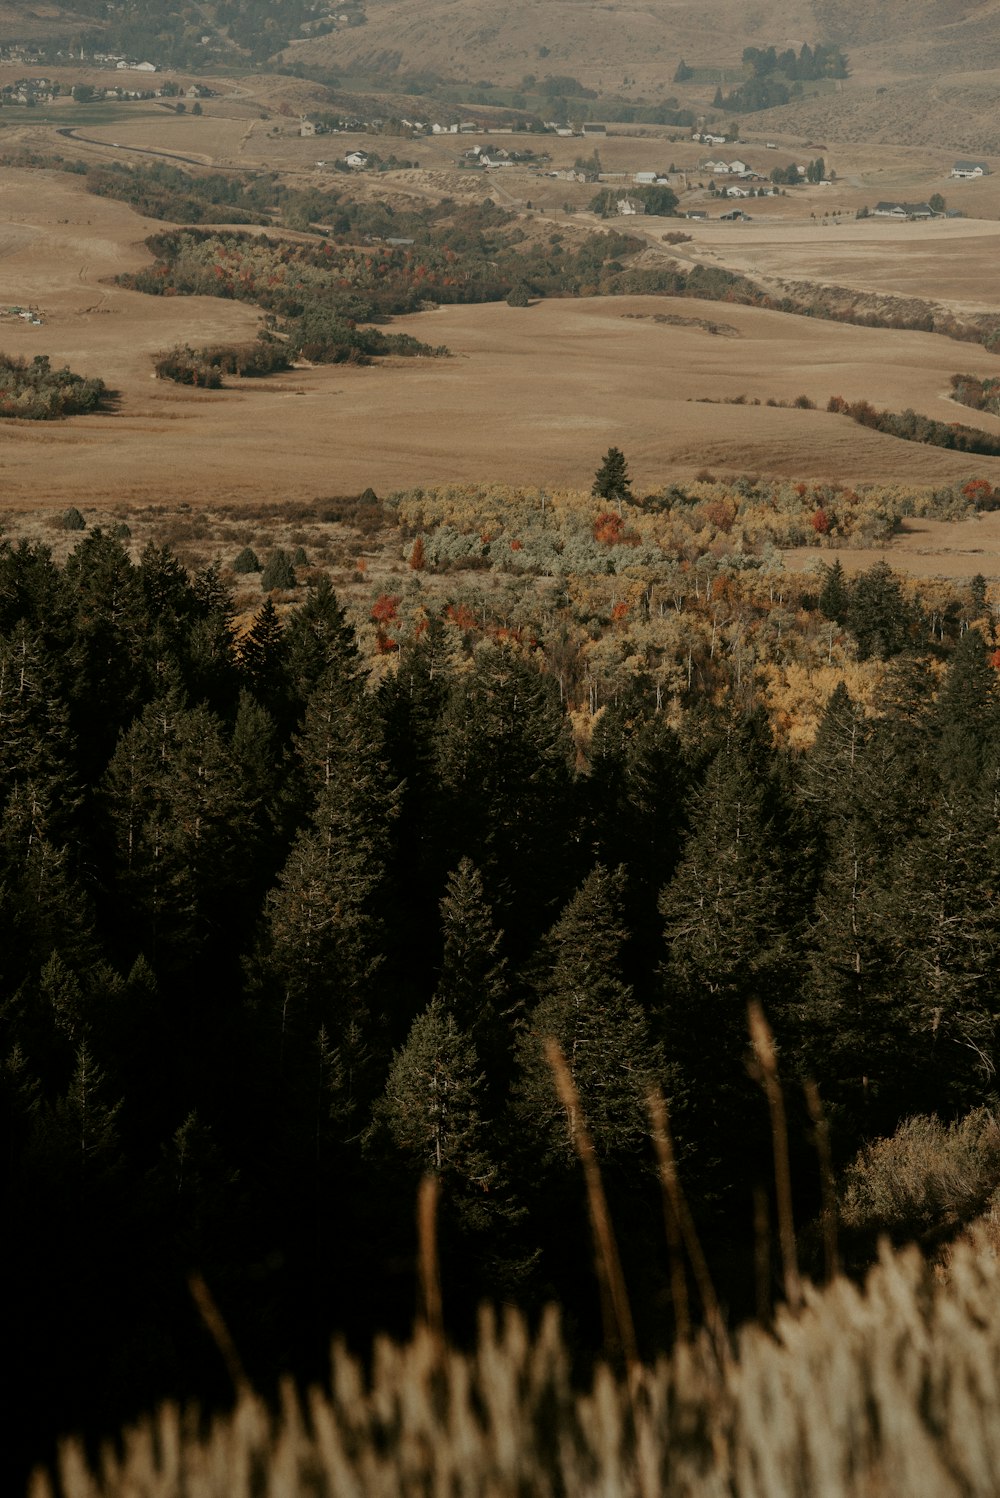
(279, 572)
(73, 520)
(247, 561)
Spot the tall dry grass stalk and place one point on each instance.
(427, 1258)
(218, 1330)
(619, 1329)
(888, 1390)
(763, 1044)
(821, 1135)
(676, 1209)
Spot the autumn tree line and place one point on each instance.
(279, 937)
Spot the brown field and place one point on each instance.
(923, 548)
(947, 261)
(531, 395)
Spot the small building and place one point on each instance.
(358, 160)
(735, 216)
(630, 206)
(968, 169)
(903, 211)
(595, 129)
(306, 127)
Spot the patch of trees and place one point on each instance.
(320, 294)
(278, 935)
(912, 427)
(206, 367)
(980, 394)
(824, 60)
(36, 392)
(776, 77)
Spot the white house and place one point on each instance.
(630, 206)
(357, 159)
(968, 169)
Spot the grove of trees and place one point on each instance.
(280, 934)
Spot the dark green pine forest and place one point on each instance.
(275, 942)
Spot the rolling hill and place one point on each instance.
(637, 45)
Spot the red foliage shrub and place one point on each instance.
(608, 528)
(384, 607)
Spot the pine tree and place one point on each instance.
(878, 616)
(600, 1029)
(110, 628)
(945, 943)
(431, 1102)
(835, 595)
(853, 1022)
(612, 481)
(732, 915)
(473, 986)
(263, 657)
(320, 640)
(827, 779)
(504, 751)
(966, 714)
(180, 818)
(36, 742)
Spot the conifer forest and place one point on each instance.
(289, 914)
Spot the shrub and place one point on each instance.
(247, 561)
(279, 572)
(73, 520)
(927, 1177)
(299, 558)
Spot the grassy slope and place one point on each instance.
(602, 43)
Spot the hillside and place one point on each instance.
(605, 45)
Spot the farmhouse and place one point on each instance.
(630, 206)
(967, 169)
(903, 210)
(357, 159)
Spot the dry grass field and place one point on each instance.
(530, 395)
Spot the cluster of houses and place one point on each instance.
(493, 157)
(29, 91)
(26, 314)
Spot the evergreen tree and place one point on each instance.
(835, 595)
(263, 657)
(854, 1022)
(878, 616)
(320, 640)
(179, 817)
(36, 743)
(827, 778)
(506, 790)
(431, 1102)
(601, 1031)
(966, 714)
(473, 986)
(612, 481)
(945, 942)
(110, 624)
(732, 915)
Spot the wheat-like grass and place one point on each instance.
(889, 1390)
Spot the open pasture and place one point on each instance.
(948, 261)
(530, 395)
